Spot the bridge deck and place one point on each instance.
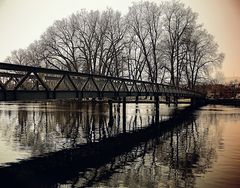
(18, 82)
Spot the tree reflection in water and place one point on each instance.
(47, 127)
(173, 159)
(170, 155)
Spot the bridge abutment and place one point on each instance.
(197, 101)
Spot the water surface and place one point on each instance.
(200, 151)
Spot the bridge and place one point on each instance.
(20, 82)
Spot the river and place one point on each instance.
(202, 150)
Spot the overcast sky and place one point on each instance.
(23, 21)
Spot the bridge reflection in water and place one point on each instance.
(77, 144)
(51, 126)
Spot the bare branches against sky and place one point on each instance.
(23, 21)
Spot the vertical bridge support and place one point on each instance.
(124, 114)
(20, 82)
(193, 101)
(175, 101)
(110, 112)
(197, 101)
(157, 109)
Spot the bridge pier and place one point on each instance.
(175, 99)
(94, 100)
(124, 114)
(136, 99)
(110, 103)
(168, 100)
(197, 101)
(157, 109)
(79, 97)
(193, 101)
(37, 85)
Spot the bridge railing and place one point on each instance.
(17, 78)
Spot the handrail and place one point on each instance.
(15, 67)
(25, 68)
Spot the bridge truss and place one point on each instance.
(19, 82)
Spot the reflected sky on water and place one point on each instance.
(201, 151)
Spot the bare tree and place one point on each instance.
(112, 46)
(156, 42)
(145, 25)
(59, 43)
(99, 40)
(34, 56)
(201, 57)
(219, 77)
(134, 59)
(17, 57)
(178, 23)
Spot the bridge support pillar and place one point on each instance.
(110, 103)
(124, 114)
(168, 100)
(79, 98)
(157, 110)
(197, 101)
(37, 85)
(193, 101)
(3, 96)
(136, 99)
(175, 101)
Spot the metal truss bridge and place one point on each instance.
(18, 82)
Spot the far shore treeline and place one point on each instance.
(161, 43)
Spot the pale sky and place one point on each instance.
(23, 21)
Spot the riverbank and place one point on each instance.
(234, 102)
